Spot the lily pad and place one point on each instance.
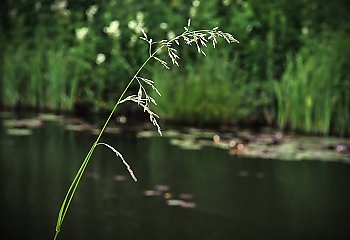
(171, 133)
(76, 127)
(119, 178)
(201, 133)
(113, 130)
(50, 117)
(175, 202)
(186, 144)
(22, 123)
(147, 134)
(18, 131)
(151, 193)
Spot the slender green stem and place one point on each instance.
(73, 187)
(56, 234)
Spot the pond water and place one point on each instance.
(181, 194)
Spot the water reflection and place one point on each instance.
(232, 197)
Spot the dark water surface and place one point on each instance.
(233, 198)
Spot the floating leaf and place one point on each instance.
(18, 131)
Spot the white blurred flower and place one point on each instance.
(196, 3)
(133, 39)
(193, 12)
(37, 6)
(65, 13)
(193, 9)
(226, 2)
(138, 24)
(163, 25)
(91, 12)
(304, 30)
(171, 35)
(59, 5)
(112, 29)
(81, 33)
(100, 58)
(13, 13)
(132, 24)
(140, 16)
(249, 28)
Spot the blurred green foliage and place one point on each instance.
(313, 93)
(213, 89)
(290, 69)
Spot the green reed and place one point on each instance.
(14, 59)
(310, 96)
(37, 68)
(210, 90)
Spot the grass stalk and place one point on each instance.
(72, 189)
(197, 38)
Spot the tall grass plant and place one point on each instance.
(211, 90)
(311, 94)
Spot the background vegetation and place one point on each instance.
(290, 70)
